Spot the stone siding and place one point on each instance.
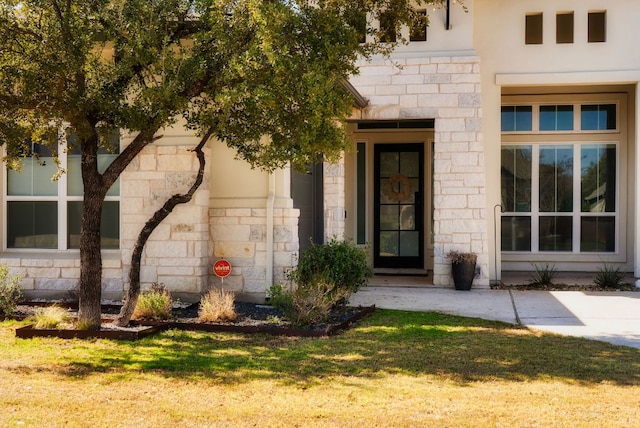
(240, 236)
(446, 89)
(176, 253)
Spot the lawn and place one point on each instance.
(393, 369)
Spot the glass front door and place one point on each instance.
(399, 205)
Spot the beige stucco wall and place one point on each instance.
(509, 65)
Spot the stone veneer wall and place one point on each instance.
(240, 236)
(176, 254)
(447, 89)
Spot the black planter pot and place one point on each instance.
(463, 273)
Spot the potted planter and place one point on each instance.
(463, 268)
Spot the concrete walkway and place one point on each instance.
(608, 316)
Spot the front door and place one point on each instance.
(399, 205)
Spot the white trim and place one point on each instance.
(569, 78)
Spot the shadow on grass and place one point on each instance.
(461, 350)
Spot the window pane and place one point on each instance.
(516, 118)
(409, 244)
(361, 193)
(389, 164)
(387, 28)
(598, 117)
(74, 174)
(598, 234)
(109, 229)
(358, 21)
(35, 179)
(533, 29)
(408, 217)
(410, 164)
(516, 178)
(389, 244)
(418, 32)
(516, 233)
(597, 27)
(32, 224)
(564, 28)
(556, 234)
(556, 118)
(598, 178)
(508, 119)
(389, 217)
(556, 179)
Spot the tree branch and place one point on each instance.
(133, 292)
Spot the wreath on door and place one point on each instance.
(404, 188)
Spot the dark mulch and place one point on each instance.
(252, 318)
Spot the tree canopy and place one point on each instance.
(238, 70)
(223, 65)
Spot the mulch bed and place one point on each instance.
(252, 318)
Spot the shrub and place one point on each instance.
(217, 305)
(309, 303)
(543, 275)
(280, 296)
(610, 276)
(50, 317)
(326, 277)
(10, 291)
(339, 263)
(155, 304)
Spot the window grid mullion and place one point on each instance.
(535, 198)
(577, 196)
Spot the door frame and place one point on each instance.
(369, 138)
(398, 261)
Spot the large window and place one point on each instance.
(43, 213)
(559, 197)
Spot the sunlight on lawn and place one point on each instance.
(393, 369)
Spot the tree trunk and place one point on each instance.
(90, 287)
(133, 292)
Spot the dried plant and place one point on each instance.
(50, 317)
(217, 305)
(458, 256)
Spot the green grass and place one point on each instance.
(394, 369)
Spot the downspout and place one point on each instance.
(498, 275)
(271, 196)
(448, 23)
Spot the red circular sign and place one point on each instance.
(222, 268)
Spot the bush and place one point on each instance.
(326, 277)
(10, 291)
(154, 304)
(339, 263)
(543, 275)
(50, 317)
(309, 303)
(217, 305)
(610, 276)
